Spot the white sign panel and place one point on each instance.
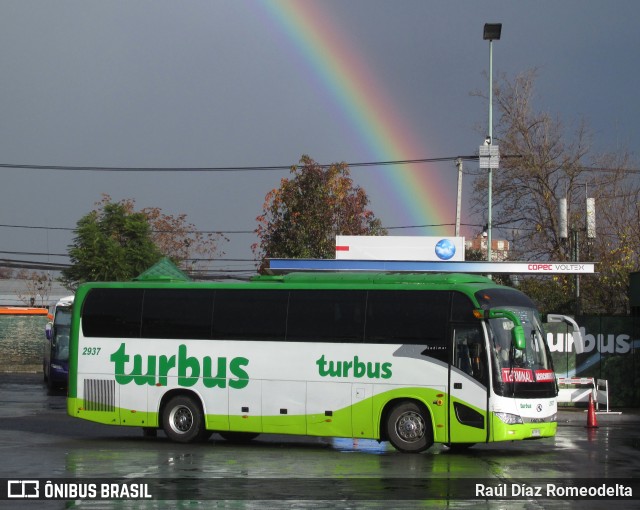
(400, 248)
(489, 156)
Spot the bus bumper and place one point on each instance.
(501, 431)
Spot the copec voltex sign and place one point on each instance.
(279, 266)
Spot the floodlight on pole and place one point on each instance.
(491, 33)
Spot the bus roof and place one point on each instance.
(65, 301)
(355, 278)
(326, 279)
(62, 302)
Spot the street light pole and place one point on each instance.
(492, 32)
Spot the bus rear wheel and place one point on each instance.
(183, 421)
(409, 428)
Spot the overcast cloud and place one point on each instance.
(213, 84)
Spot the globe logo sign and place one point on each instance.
(445, 249)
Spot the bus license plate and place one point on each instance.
(535, 433)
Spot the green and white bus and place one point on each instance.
(408, 358)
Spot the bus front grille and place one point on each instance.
(99, 395)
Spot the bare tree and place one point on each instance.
(36, 290)
(617, 246)
(541, 163)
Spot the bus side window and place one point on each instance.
(177, 313)
(250, 314)
(115, 313)
(469, 353)
(326, 316)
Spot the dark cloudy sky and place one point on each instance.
(222, 84)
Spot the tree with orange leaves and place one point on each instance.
(302, 217)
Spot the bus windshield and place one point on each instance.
(61, 326)
(518, 372)
(533, 356)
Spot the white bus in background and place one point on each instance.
(55, 361)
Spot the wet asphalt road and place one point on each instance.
(39, 441)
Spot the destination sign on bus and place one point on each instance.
(521, 375)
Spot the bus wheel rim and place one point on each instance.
(410, 427)
(181, 419)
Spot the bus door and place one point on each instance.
(468, 386)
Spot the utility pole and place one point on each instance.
(459, 203)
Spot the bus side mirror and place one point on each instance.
(517, 332)
(519, 340)
(47, 330)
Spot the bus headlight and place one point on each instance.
(509, 419)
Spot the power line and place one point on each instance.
(479, 171)
(30, 264)
(68, 229)
(434, 225)
(35, 253)
(230, 232)
(189, 259)
(258, 168)
(201, 274)
(267, 168)
(35, 227)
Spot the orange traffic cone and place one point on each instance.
(592, 421)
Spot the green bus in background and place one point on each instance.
(414, 359)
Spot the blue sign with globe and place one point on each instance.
(445, 249)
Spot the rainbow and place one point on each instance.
(420, 196)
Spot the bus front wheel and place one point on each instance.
(409, 428)
(183, 421)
